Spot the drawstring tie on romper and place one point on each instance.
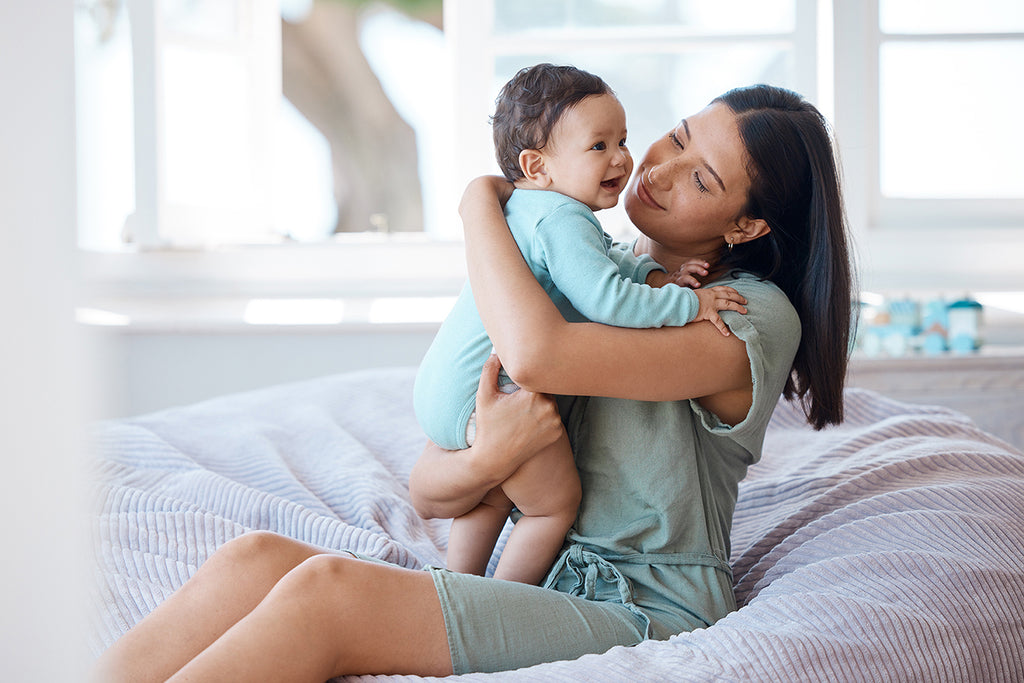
(593, 574)
(587, 567)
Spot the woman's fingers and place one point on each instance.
(513, 426)
(487, 391)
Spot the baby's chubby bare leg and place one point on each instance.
(546, 489)
(473, 535)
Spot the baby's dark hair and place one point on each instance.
(529, 106)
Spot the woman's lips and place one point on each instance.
(644, 194)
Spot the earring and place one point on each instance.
(729, 245)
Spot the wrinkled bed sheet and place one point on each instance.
(891, 548)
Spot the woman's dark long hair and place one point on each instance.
(795, 189)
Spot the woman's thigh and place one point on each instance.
(496, 625)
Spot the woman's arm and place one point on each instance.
(542, 352)
(511, 428)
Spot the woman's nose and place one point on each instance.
(662, 175)
(656, 176)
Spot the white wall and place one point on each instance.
(147, 371)
(41, 378)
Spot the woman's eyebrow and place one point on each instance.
(718, 179)
(714, 175)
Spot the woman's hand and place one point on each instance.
(510, 429)
(483, 191)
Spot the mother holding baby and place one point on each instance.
(667, 423)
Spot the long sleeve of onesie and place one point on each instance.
(576, 253)
(631, 266)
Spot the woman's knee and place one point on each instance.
(323, 582)
(368, 616)
(320, 572)
(259, 553)
(252, 545)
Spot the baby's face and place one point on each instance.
(586, 156)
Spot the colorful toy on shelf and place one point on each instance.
(965, 325)
(901, 326)
(935, 327)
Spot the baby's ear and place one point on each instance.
(531, 161)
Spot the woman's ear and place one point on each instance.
(531, 161)
(748, 229)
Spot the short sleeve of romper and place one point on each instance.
(648, 556)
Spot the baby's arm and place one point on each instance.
(577, 258)
(633, 267)
(710, 301)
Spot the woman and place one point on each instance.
(749, 184)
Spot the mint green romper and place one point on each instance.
(648, 556)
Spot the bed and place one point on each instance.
(890, 548)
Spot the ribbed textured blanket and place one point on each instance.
(888, 549)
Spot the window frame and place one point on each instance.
(156, 221)
(956, 244)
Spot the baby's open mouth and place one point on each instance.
(610, 184)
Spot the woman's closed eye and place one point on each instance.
(700, 185)
(675, 140)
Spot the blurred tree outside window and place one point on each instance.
(328, 76)
(351, 146)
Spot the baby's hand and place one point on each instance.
(716, 299)
(687, 274)
(684, 277)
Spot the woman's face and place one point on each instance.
(692, 184)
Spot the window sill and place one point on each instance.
(358, 265)
(264, 316)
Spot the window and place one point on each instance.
(187, 141)
(926, 115)
(175, 106)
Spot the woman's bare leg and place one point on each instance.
(229, 585)
(546, 489)
(332, 616)
(473, 535)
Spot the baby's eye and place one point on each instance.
(599, 146)
(622, 142)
